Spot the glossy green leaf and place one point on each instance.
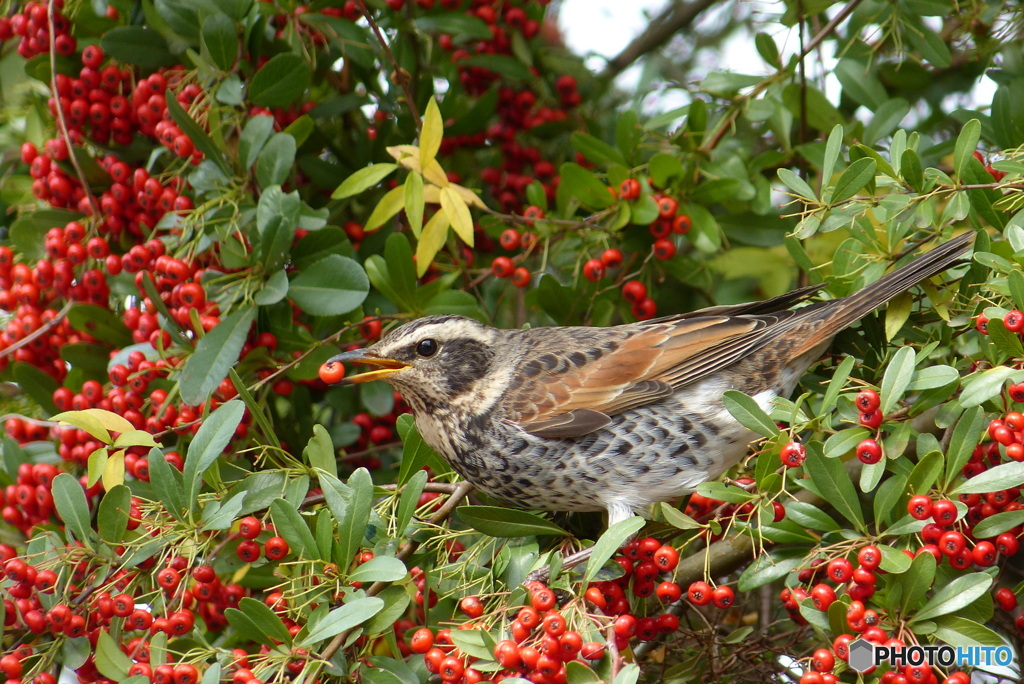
(291, 525)
(379, 569)
(280, 81)
(966, 146)
(112, 515)
(215, 433)
(363, 179)
(346, 617)
(220, 40)
(332, 286)
(966, 436)
(506, 522)
(69, 500)
(896, 379)
(959, 593)
(275, 160)
(255, 134)
(609, 543)
(854, 178)
(138, 45)
(832, 480)
(196, 133)
(749, 414)
(214, 355)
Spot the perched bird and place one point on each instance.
(616, 418)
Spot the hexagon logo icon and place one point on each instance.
(862, 655)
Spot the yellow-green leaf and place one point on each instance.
(458, 214)
(389, 205)
(363, 179)
(414, 202)
(431, 241)
(91, 421)
(897, 313)
(97, 463)
(113, 471)
(135, 438)
(406, 155)
(430, 136)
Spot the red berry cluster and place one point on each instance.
(32, 25)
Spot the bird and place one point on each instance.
(617, 418)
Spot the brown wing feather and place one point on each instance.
(640, 367)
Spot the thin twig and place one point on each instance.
(675, 17)
(39, 332)
(397, 72)
(51, 9)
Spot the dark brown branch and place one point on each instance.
(675, 17)
(399, 76)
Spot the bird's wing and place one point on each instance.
(575, 379)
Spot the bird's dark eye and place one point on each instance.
(427, 348)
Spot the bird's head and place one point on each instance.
(432, 361)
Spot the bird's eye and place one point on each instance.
(427, 348)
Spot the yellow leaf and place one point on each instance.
(414, 202)
(402, 153)
(468, 195)
(431, 241)
(430, 136)
(389, 205)
(113, 473)
(896, 314)
(432, 194)
(436, 175)
(92, 421)
(458, 214)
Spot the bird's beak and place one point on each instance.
(385, 366)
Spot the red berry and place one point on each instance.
(276, 548)
(1014, 321)
(920, 507)
(869, 451)
(822, 596)
(521, 277)
(664, 249)
(510, 240)
(868, 401)
(666, 558)
(629, 189)
(1006, 599)
(699, 593)
(1007, 544)
(611, 258)
(668, 592)
(793, 454)
(871, 419)
(472, 606)
(593, 270)
(332, 372)
(645, 309)
(634, 291)
(984, 553)
(869, 557)
(982, 324)
(667, 207)
(840, 570)
(502, 267)
(723, 597)
(944, 512)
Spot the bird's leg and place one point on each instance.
(617, 512)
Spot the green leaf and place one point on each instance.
(390, 204)
(860, 83)
(845, 441)
(767, 568)
(966, 436)
(959, 593)
(886, 119)
(167, 483)
(290, 524)
(886, 497)
(810, 516)
(966, 145)
(341, 619)
(196, 133)
(379, 569)
(997, 524)
(910, 169)
(581, 186)
(678, 519)
(350, 504)
(995, 479)
(101, 323)
(363, 179)
(409, 501)
(1004, 340)
(958, 631)
(596, 150)
(257, 131)
(932, 377)
(110, 660)
(896, 379)
(856, 176)
(214, 355)
(832, 149)
(332, 286)
(497, 521)
(73, 509)
(138, 45)
(280, 81)
(275, 160)
(751, 416)
(835, 485)
(213, 435)
(264, 617)
(797, 185)
(910, 588)
(609, 543)
(37, 384)
(396, 601)
(112, 515)
(894, 561)
(220, 40)
(247, 628)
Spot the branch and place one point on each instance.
(675, 17)
(398, 75)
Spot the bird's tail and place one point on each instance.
(878, 293)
